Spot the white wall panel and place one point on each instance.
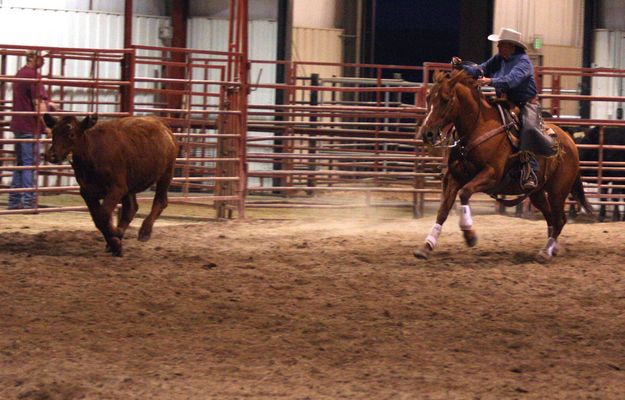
(144, 7)
(609, 52)
(560, 22)
(212, 34)
(77, 29)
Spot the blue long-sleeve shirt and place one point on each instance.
(514, 76)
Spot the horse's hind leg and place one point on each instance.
(448, 197)
(127, 212)
(158, 205)
(540, 201)
(557, 201)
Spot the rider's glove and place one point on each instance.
(456, 63)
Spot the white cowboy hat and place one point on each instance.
(508, 35)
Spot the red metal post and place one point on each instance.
(244, 93)
(179, 16)
(126, 92)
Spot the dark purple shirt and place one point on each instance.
(24, 94)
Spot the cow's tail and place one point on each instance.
(578, 194)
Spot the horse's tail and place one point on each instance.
(578, 194)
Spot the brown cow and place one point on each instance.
(113, 161)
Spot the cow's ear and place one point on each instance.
(49, 120)
(88, 122)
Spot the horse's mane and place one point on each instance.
(450, 79)
(462, 77)
(455, 77)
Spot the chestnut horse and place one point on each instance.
(484, 156)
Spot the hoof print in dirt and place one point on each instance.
(209, 265)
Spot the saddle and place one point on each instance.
(524, 166)
(541, 143)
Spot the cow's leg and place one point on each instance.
(616, 213)
(602, 208)
(127, 212)
(101, 214)
(450, 189)
(158, 205)
(483, 181)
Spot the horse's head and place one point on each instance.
(443, 105)
(65, 132)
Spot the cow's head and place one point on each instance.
(65, 132)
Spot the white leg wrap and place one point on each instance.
(550, 246)
(466, 222)
(432, 238)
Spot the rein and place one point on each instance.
(488, 135)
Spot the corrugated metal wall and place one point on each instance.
(60, 28)
(57, 28)
(23, 26)
(212, 34)
(609, 52)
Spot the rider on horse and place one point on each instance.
(511, 73)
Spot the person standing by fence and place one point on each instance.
(28, 96)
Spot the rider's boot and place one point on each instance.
(529, 180)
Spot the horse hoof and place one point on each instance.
(470, 238)
(115, 247)
(422, 254)
(143, 237)
(144, 234)
(472, 241)
(543, 257)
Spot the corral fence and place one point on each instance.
(249, 140)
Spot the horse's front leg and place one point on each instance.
(450, 189)
(486, 179)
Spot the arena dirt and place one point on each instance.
(312, 309)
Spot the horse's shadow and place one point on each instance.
(54, 243)
(483, 259)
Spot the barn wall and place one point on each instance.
(63, 28)
(321, 15)
(562, 38)
(563, 56)
(145, 7)
(77, 29)
(83, 29)
(314, 44)
(609, 52)
(560, 22)
(212, 34)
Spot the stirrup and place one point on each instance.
(529, 183)
(528, 180)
